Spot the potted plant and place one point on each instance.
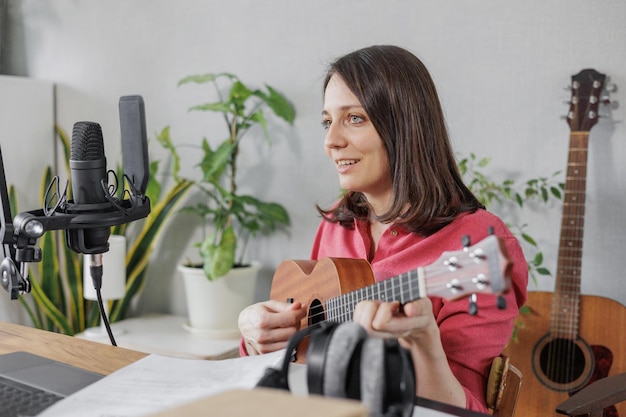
(508, 194)
(229, 218)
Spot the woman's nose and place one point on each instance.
(334, 137)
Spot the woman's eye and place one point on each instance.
(325, 124)
(355, 119)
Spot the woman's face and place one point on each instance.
(354, 145)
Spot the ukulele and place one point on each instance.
(568, 340)
(330, 288)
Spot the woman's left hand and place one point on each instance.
(409, 321)
(414, 325)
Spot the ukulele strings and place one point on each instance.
(403, 288)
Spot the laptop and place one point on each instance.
(31, 383)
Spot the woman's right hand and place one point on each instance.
(268, 325)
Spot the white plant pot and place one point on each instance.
(213, 307)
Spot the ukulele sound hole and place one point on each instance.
(562, 364)
(316, 312)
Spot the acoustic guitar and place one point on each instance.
(330, 288)
(569, 340)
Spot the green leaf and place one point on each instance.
(205, 78)
(219, 259)
(259, 118)
(543, 271)
(215, 162)
(280, 105)
(219, 107)
(52, 312)
(237, 97)
(165, 140)
(276, 212)
(529, 239)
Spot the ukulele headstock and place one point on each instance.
(480, 268)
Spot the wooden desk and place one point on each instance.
(93, 356)
(105, 359)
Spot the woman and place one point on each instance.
(405, 204)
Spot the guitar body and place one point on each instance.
(600, 351)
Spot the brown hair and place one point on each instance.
(398, 94)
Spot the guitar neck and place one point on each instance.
(586, 88)
(567, 288)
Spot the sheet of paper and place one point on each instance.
(156, 382)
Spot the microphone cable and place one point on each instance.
(95, 270)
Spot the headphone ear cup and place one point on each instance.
(343, 343)
(400, 380)
(373, 378)
(342, 350)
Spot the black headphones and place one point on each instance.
(344, 362)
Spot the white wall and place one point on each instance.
(500, 67)
(26, 138)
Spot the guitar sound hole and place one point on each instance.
(316, 312)
(563, 364)
(562, 361)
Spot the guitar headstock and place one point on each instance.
(480, 268)
(586, 88)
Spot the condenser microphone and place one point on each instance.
(94, 207)
(88, 175)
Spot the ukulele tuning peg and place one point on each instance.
(465, 240)
(473, 307)
(611, 88)
(501, 302)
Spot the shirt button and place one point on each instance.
(394, 232)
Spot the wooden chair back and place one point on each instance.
(595, 397)
(503, 387)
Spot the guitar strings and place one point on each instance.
(562, 349)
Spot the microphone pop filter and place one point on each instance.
(134, 141)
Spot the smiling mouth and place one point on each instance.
(346, 162)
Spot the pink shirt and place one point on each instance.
(470, 342)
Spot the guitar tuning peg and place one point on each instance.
(501, 302)
(611, 88)
(473, 307)
(613, 104)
